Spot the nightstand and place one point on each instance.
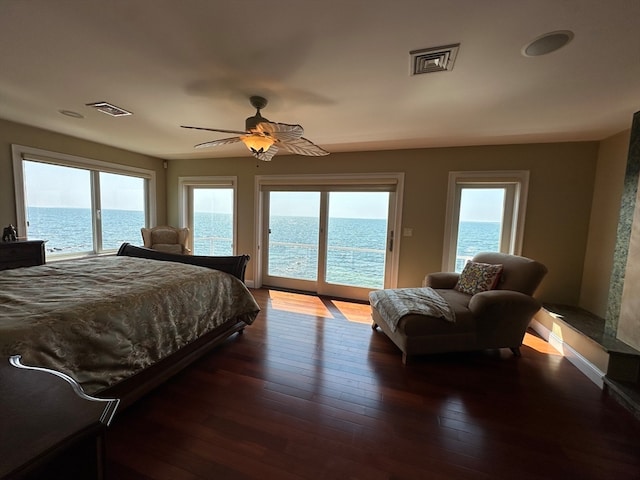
(25, 253)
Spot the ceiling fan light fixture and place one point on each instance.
(264, 138)
(257, 143)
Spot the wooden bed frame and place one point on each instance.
(132, 388)
(234, 265)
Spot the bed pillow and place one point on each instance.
(478, 277)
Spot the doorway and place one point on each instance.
(334, 240)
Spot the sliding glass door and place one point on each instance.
(328, 242)
(357, 231)
(293, 238)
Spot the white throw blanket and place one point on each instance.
(393, 304)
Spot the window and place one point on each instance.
(207, 207)
(328, 234)
(485, 213)
(80, 206)
(122, 198)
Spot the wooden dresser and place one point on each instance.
(27, 253)
(50, 428)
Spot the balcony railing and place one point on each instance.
(213, 246)
(354, 266)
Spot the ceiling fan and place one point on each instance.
(264, 138)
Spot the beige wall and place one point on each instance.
(607, 194)
(13, 133)
(558, 210)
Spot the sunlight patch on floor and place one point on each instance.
(539, 345)
(290, 302)
(354, 312)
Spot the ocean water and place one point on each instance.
(475, 237)
(356, 248)
(69, 230)
(213, 234)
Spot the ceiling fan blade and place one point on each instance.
(217, 143)
(281, 131)
(239, 132)
(302, 146)
(266, 156)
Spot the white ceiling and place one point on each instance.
(338, 68)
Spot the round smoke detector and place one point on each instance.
(547, 43)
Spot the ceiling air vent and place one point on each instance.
(437, 59)
(109, 109)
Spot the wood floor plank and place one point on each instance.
(310, 391)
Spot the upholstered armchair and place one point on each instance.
(491, 304)
(166, 239)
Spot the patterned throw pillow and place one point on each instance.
(478, 277)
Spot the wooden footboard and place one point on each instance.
(132, 388)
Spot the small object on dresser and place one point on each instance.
(9, 234)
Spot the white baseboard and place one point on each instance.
(249, 283)
(592, 372)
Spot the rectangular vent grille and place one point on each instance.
(109, 109)
(429, 60)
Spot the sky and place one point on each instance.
(213, 200)
(341, 204)
(481, 205)
(477, 204)
(54, 186)
(301, 204)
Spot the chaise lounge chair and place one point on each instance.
(490, 305)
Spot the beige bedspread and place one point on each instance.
(101, 320)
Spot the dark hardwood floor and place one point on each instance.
(311, 392)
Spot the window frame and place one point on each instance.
(516, 184)
(21, 153)
(387, 181)
(185, 205)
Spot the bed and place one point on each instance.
(121, 325)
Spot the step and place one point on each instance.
(622, 371)
(626, 393)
